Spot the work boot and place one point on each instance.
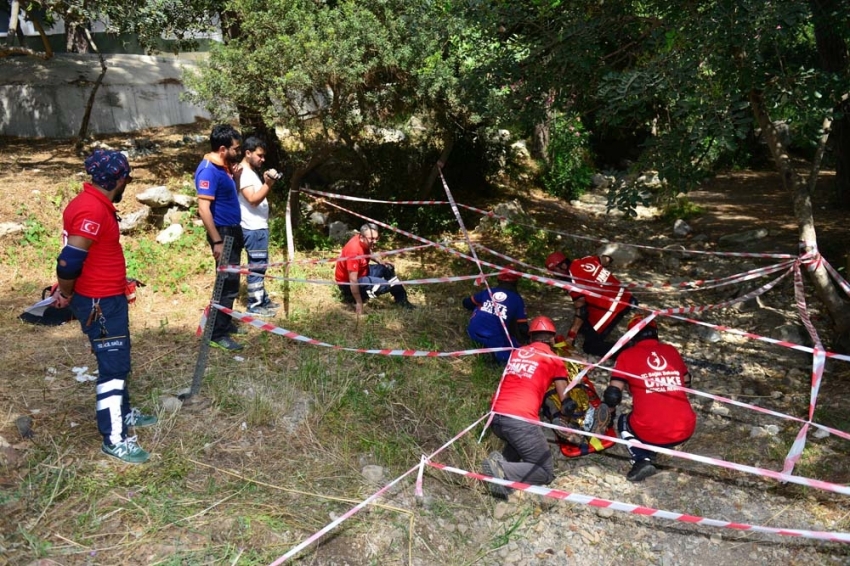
(493, 468)
(127, 451)
(641, 470)
(601, 419)
(407, 305)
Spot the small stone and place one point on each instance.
(716, 538)
(604, 512)
(501, 510)
(719, 409)
(820, 433)
(373, 474)
(170, 404)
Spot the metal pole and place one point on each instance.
(204, 350)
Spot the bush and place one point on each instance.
(570, 170)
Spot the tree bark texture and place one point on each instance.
(84, 125)
(837, 308)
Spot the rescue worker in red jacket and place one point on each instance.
(661, 413)
(600, 309)
(530, 372)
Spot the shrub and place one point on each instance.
(570, 170)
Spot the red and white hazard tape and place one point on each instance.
(426, 281)
(330, 526)
(686, 286)
(645, 511)
(779, 476)
(269, 327)
(491, 214)
(243, 269)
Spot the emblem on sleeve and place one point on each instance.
(203, 184)
(90, 227)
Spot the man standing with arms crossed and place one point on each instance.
(218, 207)
(255, 222)
(92, 278)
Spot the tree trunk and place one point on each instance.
(75, 37)
(448, 145)
(835, 58)
(13, 22)
(84, 126)
(795, 186)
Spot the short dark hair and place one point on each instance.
(252, 143)
(223, 135)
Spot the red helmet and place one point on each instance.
(541, 324)
(639, 317)
(554, 260)
(506, 275)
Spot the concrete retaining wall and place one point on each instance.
(47, 98)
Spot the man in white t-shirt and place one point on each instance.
(255, 222)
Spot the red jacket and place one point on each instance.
(661, 414)
(588, 273)
(528, 376)
(344, 266)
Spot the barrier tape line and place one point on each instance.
(548, 280)
(330, 526)
(268, 327)
(645, 511)
(313, 261)
(491, 214)
(753, 470)
(837, 277)
(428, 281)
(667, 286)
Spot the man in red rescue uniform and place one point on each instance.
(530, 372)
(358, 281)
(595, 316)
(661, 413)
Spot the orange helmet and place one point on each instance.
(506, 275)
(541, 324)
(555, 259)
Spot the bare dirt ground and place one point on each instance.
(35, 172)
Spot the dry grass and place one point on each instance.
(279, 441)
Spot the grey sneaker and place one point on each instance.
(226, 343)
(260, 311)
(135, 418)
(127, 451)
(269, 304)
(493, 468)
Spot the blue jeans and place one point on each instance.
(381, 280)
(109, 335)
(526, 450)
(257, 249)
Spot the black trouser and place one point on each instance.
(231, 281)
(596, 343)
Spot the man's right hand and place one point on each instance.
(358, 308)
(217, 249)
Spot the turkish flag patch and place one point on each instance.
(203, 184)
(90, 227)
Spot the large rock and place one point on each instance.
(622, 255)
(170, 234)
(134, 220)
(184, 201)
(339, 232)
(742, 237)
(156, 197)
(512, 211)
